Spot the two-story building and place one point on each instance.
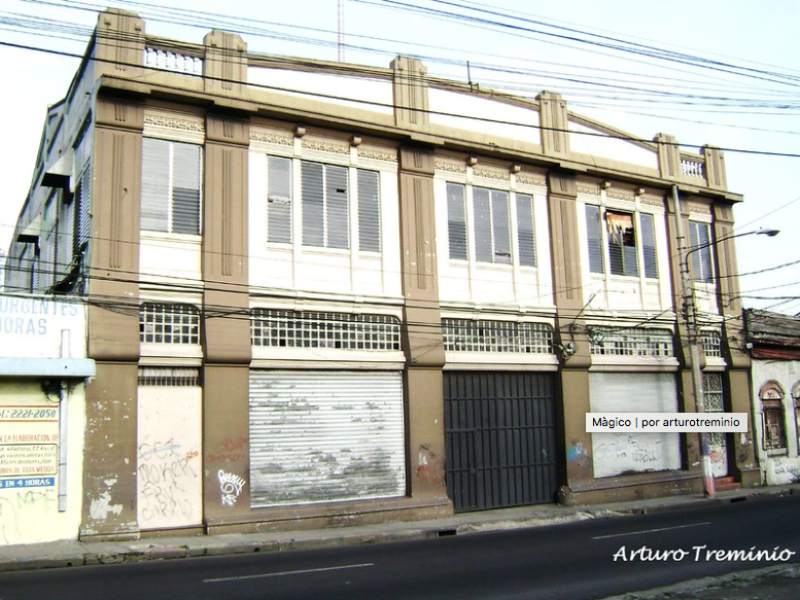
(324, 293)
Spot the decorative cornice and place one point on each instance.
(652, 200)
(325, 145)
(176, 122)
(373, 153)
(449, 165)
(527, 178)
(620, 194)
(488, 173)
(584, 187)
(279, 138)
(698, 207)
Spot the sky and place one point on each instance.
(537, 48)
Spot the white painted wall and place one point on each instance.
(297, 267)
(170, 256)
(618, 453)
(777, 467)
(609, 147)
(29, 514)
(169, 451)
(376, 93)
(473, 283)
(458, 107)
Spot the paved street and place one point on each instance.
(572, 561)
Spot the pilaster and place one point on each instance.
(410, 92)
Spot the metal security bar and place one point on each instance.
(653, 343)
(169, 376)
(711, 342)
(468, 335)
(342, 331)
(169, 323)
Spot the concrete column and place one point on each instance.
(422, 336)
(410, 92)
(669, 156)
(554, 123)
(733, 339)
(119, 43)
(568, 298)
(716, 176)
(226, 331)
(225, 63)
(109, 506)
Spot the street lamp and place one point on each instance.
(691, 326)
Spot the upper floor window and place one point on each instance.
(619, 237)
(161, 323)
(700, 238)
(170, 186)
(325, 210)
(635, 341)
(491, 224)
(324, 204)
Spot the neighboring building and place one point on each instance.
(774, 342)
(43, 368)
(311, 310)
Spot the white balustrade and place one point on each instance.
(170, 60)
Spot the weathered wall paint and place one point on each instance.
(29, 511)
(169, 470)
(777, 467)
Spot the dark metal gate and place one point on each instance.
(500, 435)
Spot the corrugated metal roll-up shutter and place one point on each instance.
(321, 436)
(619, 453)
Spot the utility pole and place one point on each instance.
(690, 308)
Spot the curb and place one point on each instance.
(76, 553)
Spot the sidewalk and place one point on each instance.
(769, 583)
(73, 553)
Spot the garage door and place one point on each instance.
(620, 453)
(500, 439)
(321, 436)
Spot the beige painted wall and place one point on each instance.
(29, 515)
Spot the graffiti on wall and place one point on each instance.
(230, 486)
(165, 475)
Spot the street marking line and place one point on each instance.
(613, 535)
(284, 573)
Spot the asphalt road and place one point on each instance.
(572, 561)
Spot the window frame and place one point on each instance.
(702, 258)
(773, 430)
(171, 187)
(604, 268)
(326, 208)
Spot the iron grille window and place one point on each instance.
(712, 342)
(654, 343)
(167, 376)
(169, 323)
(342, 331)
(712, 392)
(468, 335)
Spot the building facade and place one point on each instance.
(310, 307)
(43, 370)
(774, 342)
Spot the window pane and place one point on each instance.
(621, 243)
(456, 223)
(369, 213)
(83, 210)
(186, 189)
(279, 200)
(500, 230)
(700, 236)
(336, 207)
(525, 238)
(649, 245)
(595, 243)
(155, 185)
(483, 225)
(311, 175)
